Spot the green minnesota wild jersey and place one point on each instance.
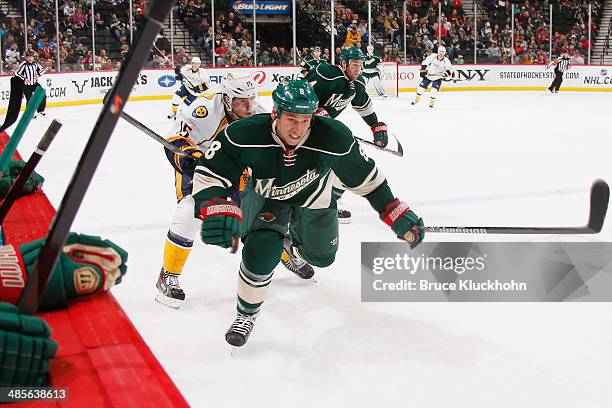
(335, 92)
(370, 66)
(310, 63)
(302, 176)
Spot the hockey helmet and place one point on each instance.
(196, 60)
(351, 53)
(370, 49)
(243, 87)
(441, 50)
(295, 96)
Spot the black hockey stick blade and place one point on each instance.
(600, 196)
(399, 152)
(156, 14)
(400, 148)
(14, 105)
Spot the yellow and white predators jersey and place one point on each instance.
(436, 67)
(193, 78)
(201, 121)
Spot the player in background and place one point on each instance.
(193, 133)
(371, 72)
(561, 64)
(312, 62)
(294, 157)
(194, 83)
(435, 67)
(338, 86)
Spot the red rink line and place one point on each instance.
(102, 360)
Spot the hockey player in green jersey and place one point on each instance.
(295, 158)
(313, 61)
(371, 72)
(338, 86)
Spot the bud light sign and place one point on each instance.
(263, 7)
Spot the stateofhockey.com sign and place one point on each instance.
(486, 272)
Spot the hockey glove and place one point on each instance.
(177, 74)
(26, 349)
(200, 88)
(221, 221)
(15, 167)
(87, 265)
(423, 71)
(404, 223)
(322, 112)
(379, 129)
(183, 164)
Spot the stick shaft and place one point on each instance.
(41, 271)
(152, 134)
(28, 169)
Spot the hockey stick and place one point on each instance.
(399, 152)
(39, 277)
(171, 63)
(149, 132)
(21, 127)
(28, 169)
(599, 197)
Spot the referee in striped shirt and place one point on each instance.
(29, 71)
(561, 64)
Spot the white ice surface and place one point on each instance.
(476, 159)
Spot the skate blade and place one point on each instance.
(168, 301)
(344, 220)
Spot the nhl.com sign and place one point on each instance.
(262, 7)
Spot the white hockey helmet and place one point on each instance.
(441, 50)
(370, 49)
(196, 60)
(243, 87)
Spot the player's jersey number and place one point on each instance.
(210, 152)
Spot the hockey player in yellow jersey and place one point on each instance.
(196, 128)
(194, 82)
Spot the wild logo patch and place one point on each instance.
(86, 280)
(266, 217)
(200, 112)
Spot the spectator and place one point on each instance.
(79, 19)
(352, 36)
(266, 59)
(116, 27)
(245, 50)
(80, 65)
(12, 55)
(459, 60)
(46, 52)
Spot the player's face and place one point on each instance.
(195, 66)
(316, 54)
(243, 107)
(292, 127)
(353, 69)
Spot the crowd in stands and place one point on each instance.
(232, 43)
(532, 33)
